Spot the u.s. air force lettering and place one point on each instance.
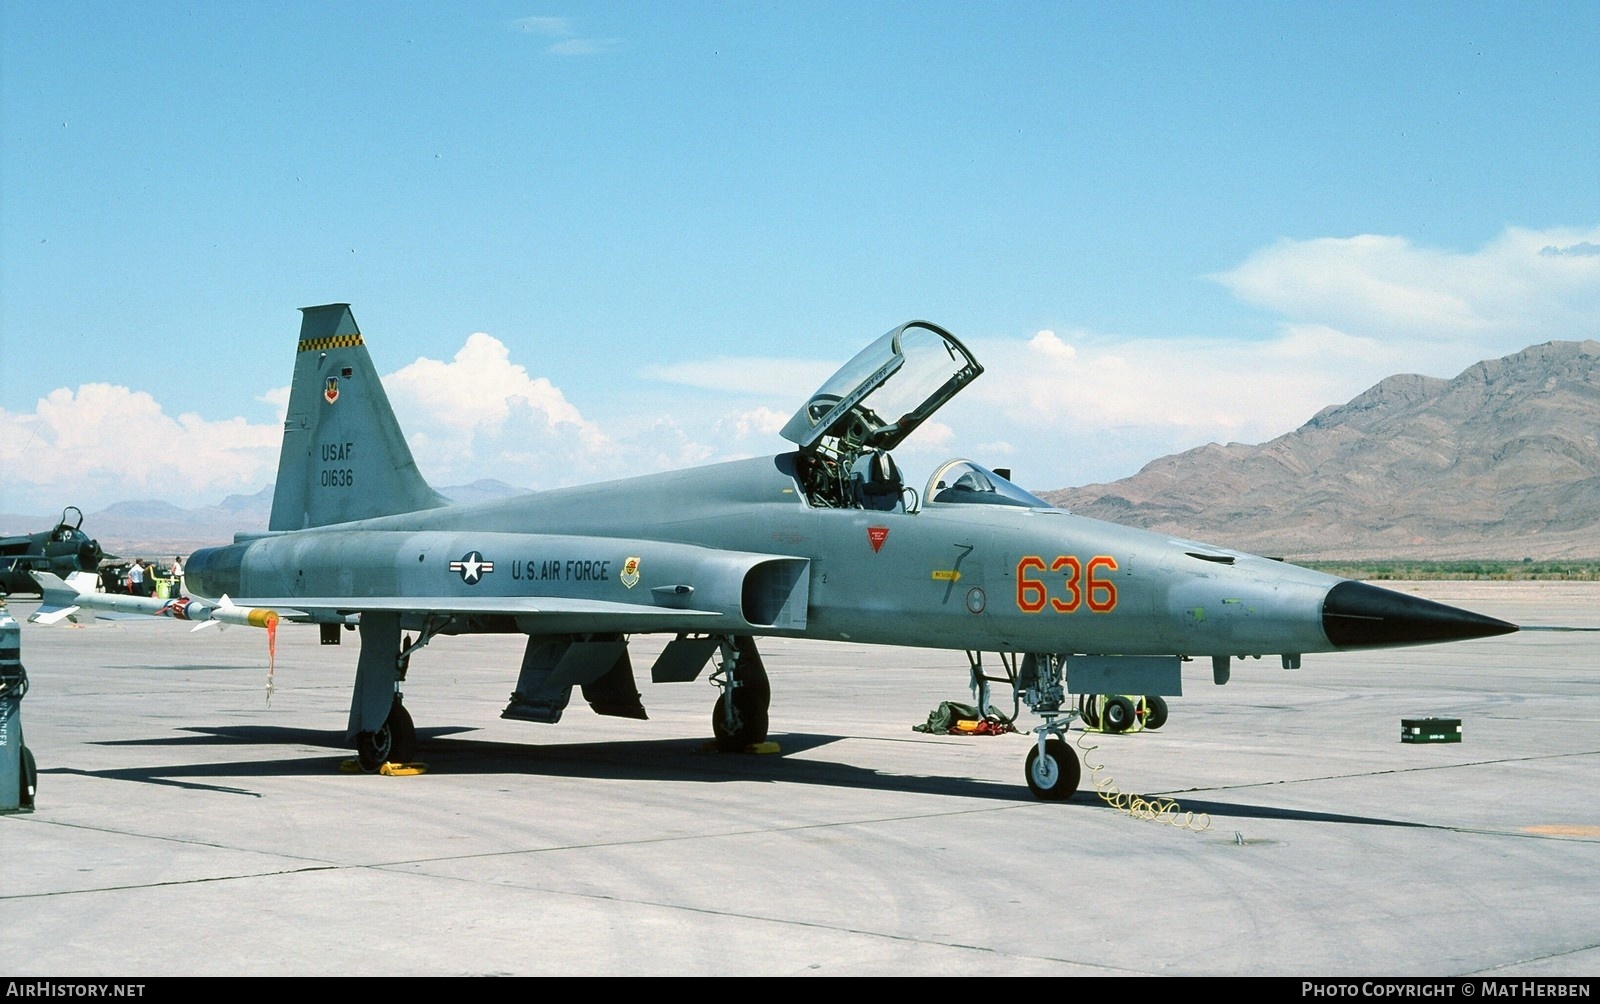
(562, 570)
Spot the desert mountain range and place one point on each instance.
(1500, 463)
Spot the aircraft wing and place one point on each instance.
(601, 613)
(62, 599)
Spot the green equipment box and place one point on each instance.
(1430, 730)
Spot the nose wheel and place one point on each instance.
(1053, 770)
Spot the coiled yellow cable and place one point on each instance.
(1160, 810)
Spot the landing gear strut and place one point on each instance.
(380, 725)
(1052, 769)
(739, 719)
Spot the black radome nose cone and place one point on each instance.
(1356, 615)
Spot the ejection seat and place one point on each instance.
(877, 482)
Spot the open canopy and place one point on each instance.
(877, 399)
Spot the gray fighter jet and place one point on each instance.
(824, 541)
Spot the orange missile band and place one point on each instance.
(260, 617)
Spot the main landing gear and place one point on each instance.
(384, 737)
(394, 742)
(380, 725)
(739, 719)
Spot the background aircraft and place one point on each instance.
(62, 550)
(823, 541)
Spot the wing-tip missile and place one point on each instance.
(228, 612)
(62, 599)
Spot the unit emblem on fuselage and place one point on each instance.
(630, 572)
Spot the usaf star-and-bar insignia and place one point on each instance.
(472, 567)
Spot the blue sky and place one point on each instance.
(601, 239)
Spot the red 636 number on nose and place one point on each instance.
(1066, 584)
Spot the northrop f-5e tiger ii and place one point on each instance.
(824, 541)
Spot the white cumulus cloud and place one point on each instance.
(105, 443)
(480, 415)
(1512, 291)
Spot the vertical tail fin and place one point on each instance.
(343, 455)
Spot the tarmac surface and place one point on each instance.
(187, 825)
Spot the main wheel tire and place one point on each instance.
(1053, 775)
(372, 750)
(749, 721)
(394, 742)
(1155, 712)
(1118, 714)
(402, 734)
